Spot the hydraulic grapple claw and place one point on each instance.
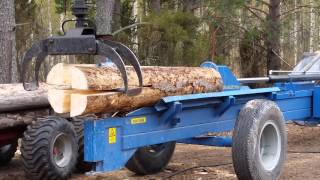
(35, 51)
(125, 52)
(80, 40)
(107, 51)
(76, 42)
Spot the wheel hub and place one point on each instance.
(5, 148)
(62, 150)
(269, 146)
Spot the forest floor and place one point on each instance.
(298, 165)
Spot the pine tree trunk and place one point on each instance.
(8, 63)
(104, 16)
(116, 17)
(155, 5)
(312, 26)
(188, 5)
(137, 13)
(295, 34)
(273, 36)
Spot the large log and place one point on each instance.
(110, 102)
(14, 98)
(163, 78)
(158, 82)
(90, 77)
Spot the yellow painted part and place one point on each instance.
(112, 135)
(139, 120)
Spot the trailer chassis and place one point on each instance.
(111, 142)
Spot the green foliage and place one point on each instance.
(62, 5)
(251, 54)
(175, 26)
(172, 39)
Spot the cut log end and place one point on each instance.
(78, 79)
(82, 103)
(58, 75)
(78, 104)
(59, 100)
(61, 74)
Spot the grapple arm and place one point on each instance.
(80, 40)
(75, 43)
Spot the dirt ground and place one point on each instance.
(300, 164)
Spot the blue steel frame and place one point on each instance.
(110, 142)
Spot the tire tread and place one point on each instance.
(35, 150)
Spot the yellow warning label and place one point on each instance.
(112, 135)
(139, 120)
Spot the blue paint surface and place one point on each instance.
(185, 118)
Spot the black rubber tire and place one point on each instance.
(151, 159)
(7, 153)
(81, 166)
(246, 140)
(37, 149)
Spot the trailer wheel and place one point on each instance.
(49, 149)
(259, 141)
(151, 159)
(7, 153)
(81, 166)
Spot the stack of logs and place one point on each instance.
(85, 89)
(19, 107)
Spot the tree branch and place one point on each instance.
(255, 14)
(130, 26)
(256, 9)
(263, 2)
(298, 8)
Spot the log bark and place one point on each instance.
(14, 98)
(89, 77)
(89, 102)
(8, 61)
(91, 87)
(110, 102)
(19, 107)
(21, 118)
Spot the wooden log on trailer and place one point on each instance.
(90, 77)
(19, 107)
(14, 98)
(86, 89)
(22, 118)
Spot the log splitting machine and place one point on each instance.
(144, 140)
(81, 40)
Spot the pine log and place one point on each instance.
(90, 77)
(15, 119)
(60, 75)
(60, 99)
(14, 98)
(163, 78)
(91, 87)
(79, 102)
(110, 102)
